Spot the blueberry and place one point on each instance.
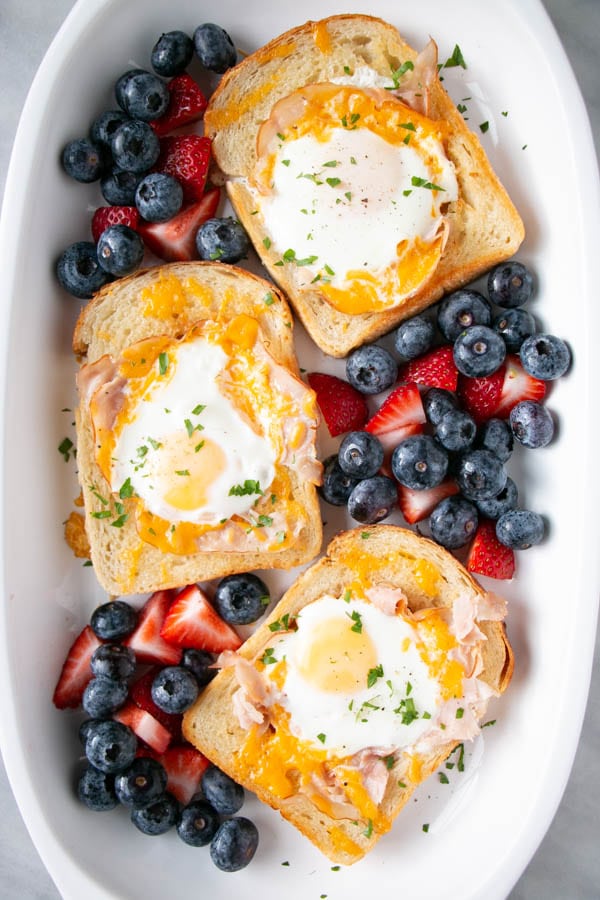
(371, 369)
(221, 791)
(79, 271)
(241, 599)
(158, 817)
(478, 351)
(545, 356)
(372, 499)
(513, 326)
(199, 662)
(360, 454)
(234, 844)
(104, 127)
(83, 160)
(480, 475)
(135, 147)
(120, 250)
(520, 529)
(84, 729)
(174, 689)
(456, 430)
(198, 824)
(414, 337)
(114, 661)
(214, 48)
(453, 522)
(510, 284)
(158, 197)
(531, 424)
(114, 620)
(110, 746)
(494, 507)
(461, 310)
(337, 485)
(437, 402)
(142, 95)
(495, 435)
(96, 790)
(172, 53)
(118, 187)
(142, 783)
(222, 239)
(103, 696)
(419, 463)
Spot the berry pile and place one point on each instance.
(152, 174)
(438, 444)
(134, 674)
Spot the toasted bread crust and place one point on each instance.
(484, 226)
(211, 724)
(113, 320)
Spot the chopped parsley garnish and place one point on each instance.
(443, 778)
(504, 113)
(290, 256)
(355, 616)
(249, 487)
(163, 363)
(280, 537)
(285, 162)
(365, 535)
(156, 445)
(401, 784)
(408, 125)
(198, 409)
(406, 193)
(126, 489)
(397, 74)
(407, 711)
(199, 446)
(484, 127)
(118, 523)
(269, 299)
(267, 242)
(374, 674)
(331, 164)
(182, 471)
(347, 70)
(328, 269)
(285, 623)
(461, 108)
(369, 829)
(347, 595)
(487, 724)
(333, 182)
(422, 182)
(354, 117)
(322, 737)
(267, 658)
(65, 448)
(457, 59)
(425, 828)
(389, 762)
(102, 514)
(460, 712)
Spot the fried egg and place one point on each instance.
(353, 186)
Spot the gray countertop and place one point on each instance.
(567, 863)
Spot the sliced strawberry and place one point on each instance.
(488, 556)
(187, 158)
(517, 386)
(175, 240)
(186, 105)
(145, 726)
(400, 408)
(416, 505)
(343, 407)
(114, 215)
(184, 766)
(481, 396)
(146, 641)
(193, 622)
(433, 369)
(141, 694)
(390, 440)
(76, 670)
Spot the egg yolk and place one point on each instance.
(338, 658)
(189, 465)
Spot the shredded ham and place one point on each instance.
(491, 607)
(100, 383)
(387, 598)
(415, 89)
(463, 624)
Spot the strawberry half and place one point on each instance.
(417, 505)
(187, 158)
(434, 369)
(193, 622)
(76, 670)
(343, 407)
(184, 766)
(114, 215)
(141, 694)
(488, 556)
(400, 408)
(186, 105)
(480, 397)
(518, 385)
(146, 641)
(145, 726)
(175, 240)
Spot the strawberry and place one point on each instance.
(141, 694)
(400, 408)
(488, 556)
(517, 386)
(114, 215)
(186, 105)
(481, 396)
(186, 157)
(184, 766)
(343, 407)
(76, 671)
(146, 641)
(390, 439)
(193, 622)
(144, 726)
(175, 240)
(416, 505)
(433, 369)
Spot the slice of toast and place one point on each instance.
(484, 227)
(168, 301)
(381, 555)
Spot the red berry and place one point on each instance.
(184, 766)
(433, 369)
(187, 158)
(146, 641)
(186, 105)
(141, 694)
(76, 670)
(481, 396)
(518, 385)
(343, 407)
(114, 215)
(175, 240)
(400, 408)
(145, 726)
(193, 622)
(417, 505)
(488, 556)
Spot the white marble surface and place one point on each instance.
(567, 863)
